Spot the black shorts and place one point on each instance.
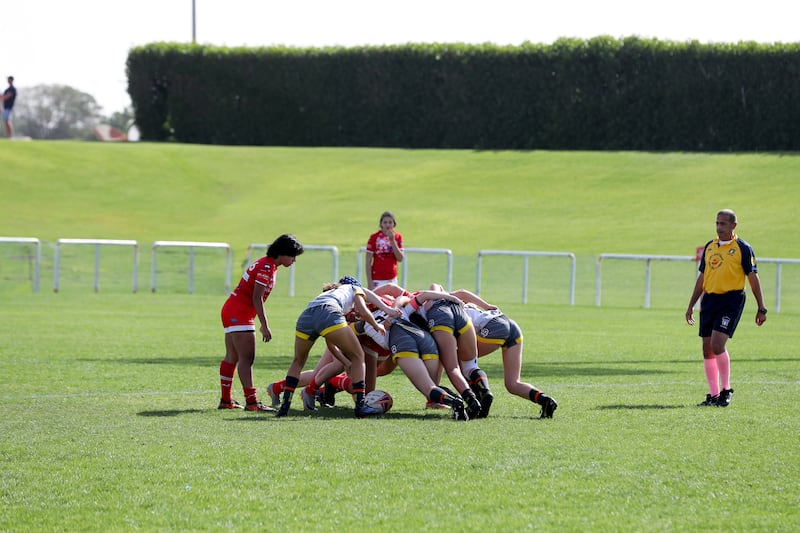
(448, 316)
(721, 312)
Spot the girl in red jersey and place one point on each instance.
(384, 251)
(238, 314)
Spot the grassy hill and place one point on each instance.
(583, 202)
(586, 203)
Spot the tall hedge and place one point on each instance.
(602, 93)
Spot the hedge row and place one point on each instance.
(602, 93)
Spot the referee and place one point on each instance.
(727, 261)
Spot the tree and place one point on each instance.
(56, 112)
(122, 120)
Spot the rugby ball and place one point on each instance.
(379, 399)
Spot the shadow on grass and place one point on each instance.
(267, 361)
(574, 369)
(639, 407)
(344, 413)
(171, 412)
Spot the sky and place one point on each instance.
(85, 43)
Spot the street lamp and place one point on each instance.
(194, 25)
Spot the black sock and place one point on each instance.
(468, 394)
(438, 395)
(478, 380)
(288, 389)
(537, 396)
(358, 391)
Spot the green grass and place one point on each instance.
(110, 421)
(110, 424)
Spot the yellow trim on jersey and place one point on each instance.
(484, 340)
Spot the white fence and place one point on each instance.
(634, 257)
(778, 263)
(37, 259)
(97, 243)
(404, 265)
(333, 249)
(526, 256)
(191, 246)
(685, 258)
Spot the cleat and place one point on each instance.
(459, 412)
(363, 410)
(258, 407)
(548, 408)
(274, 398)
(283, 411)
(233, 404)
(710, 400)
(309, 401)
(724, 398)
(329, 394)
(486, 403)
(433, 405)
(473, 408)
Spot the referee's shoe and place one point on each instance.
(725, 397)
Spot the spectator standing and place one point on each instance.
(384, 251)
(9, 97)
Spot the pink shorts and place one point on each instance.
(237, 316)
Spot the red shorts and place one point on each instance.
(237, 316)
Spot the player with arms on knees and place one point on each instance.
(444, 316)
(238, 314)
(727, 261)
(325, 317)
(495, 330)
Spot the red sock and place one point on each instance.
(341, 382)
(226, 371)
(277, 387)
(250, 395)
(312, 387)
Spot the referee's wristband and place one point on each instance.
(762, 311)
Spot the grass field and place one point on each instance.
(110, 421)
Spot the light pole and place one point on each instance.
(194, 24)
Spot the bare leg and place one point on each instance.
(448, 355)
(240, 348)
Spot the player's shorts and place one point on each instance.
(721, 312)
(408, 340)
(448, 316)
(319, 320)
(7, 114)
(500, 330)
(237, 316)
